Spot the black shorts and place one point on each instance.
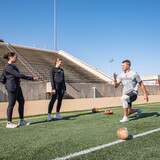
(132, 96)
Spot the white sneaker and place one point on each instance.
(49, 118)
(23, 123)
(139, 112)
(11, 125)
(125, 119)
(58, 116)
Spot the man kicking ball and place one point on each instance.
(129, 80)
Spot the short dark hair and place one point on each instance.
(127, 61)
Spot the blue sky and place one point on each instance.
(94, 31)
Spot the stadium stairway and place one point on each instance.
(71, 91)
(4, 49)
(26, 63)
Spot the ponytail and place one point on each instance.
(8, 55)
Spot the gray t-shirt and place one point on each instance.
(129, 81)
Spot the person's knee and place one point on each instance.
(12, 104)
(125, 100)
(21, 102)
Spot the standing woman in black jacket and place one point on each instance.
(58, 88)
(14, 90)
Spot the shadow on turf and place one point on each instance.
(82, 114)
(146, 115)
(130, 137)
(65, 118)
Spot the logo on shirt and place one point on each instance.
(126, 78)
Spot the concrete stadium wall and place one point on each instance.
(37, 90)
(85, 90)
(31, 91)
(101, 90)
(106, 90)
(41, 107)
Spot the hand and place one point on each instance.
(146, 98)
(115, 76)
(35, 78)
(54, 91)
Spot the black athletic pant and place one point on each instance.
(59, 94)
(14, 96)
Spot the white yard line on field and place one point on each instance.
(103, 146)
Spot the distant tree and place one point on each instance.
(1, 41)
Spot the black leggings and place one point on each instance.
(59, 94)
(14, 96)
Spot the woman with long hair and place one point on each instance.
(58, 88)
(14, 90)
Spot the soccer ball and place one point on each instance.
(94, 110)
(108, 111)
(123, 133)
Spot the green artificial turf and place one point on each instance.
(82, 130)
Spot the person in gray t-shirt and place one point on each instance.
(129, 80)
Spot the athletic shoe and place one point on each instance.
(58, 116)
(23, 123)
(125, 119)
(49, 118)
(139, 112)
(11, 125)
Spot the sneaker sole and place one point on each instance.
(123, 121)
(11, 127)
(24, 124)
(58, 118)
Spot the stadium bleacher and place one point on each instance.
(4, 49)
(43, 60)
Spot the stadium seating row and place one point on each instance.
(43, 60)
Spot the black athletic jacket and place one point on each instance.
(57, 78)
(13, 76)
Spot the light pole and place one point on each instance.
(55, 27)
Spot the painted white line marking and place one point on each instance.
(103, 146)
